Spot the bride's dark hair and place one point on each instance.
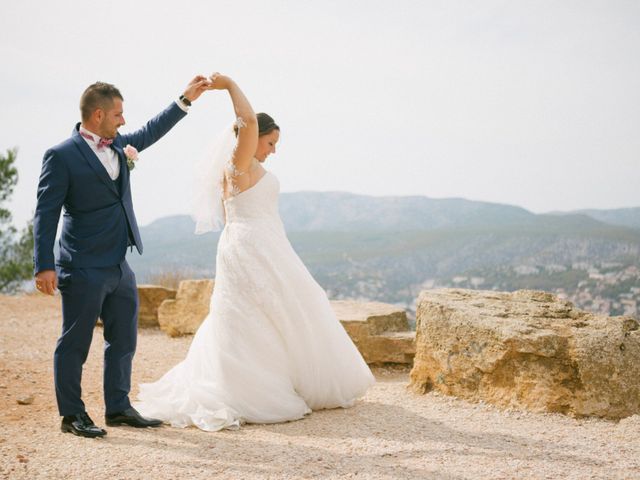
(266, 124)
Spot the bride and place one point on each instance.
(271, 348)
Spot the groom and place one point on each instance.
(88, 175)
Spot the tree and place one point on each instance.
(16, 252)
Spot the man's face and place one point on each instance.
(112, 119)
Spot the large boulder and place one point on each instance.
(150, 298)
(184, 315)
(529, 350)
(379, 330)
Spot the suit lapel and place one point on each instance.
(93, 161)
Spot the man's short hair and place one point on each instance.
(98, 95)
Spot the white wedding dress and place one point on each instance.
(271, 348)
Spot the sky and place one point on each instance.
(531, 103)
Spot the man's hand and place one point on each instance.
(47, 281)
(195, 88)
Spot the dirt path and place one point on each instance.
(389, 434)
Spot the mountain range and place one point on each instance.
(386, 248)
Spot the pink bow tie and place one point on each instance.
(101, 143)
(104, 142)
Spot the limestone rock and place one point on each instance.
(379, 330)
(184, 315)
(527, 350)
(151, 297)
(26, 400)
(389, 347)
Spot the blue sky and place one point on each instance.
(532, 103)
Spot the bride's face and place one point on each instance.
(267, 145)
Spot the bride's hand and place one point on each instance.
(217, 81)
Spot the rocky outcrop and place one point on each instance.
(527, 350)
(379, 330)
(184, 315)
(150, 298)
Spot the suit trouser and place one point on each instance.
(88, 293)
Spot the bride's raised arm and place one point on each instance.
(246, 121)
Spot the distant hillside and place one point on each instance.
(338, 211)
(388, 248)
(328, 228)
(347, 212)
(625, 217)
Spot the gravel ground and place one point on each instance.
(390, 434)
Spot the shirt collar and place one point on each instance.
(94, 136)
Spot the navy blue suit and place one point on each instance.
(94, 278)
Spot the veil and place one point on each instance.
(207, 210)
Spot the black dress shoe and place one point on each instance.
(131, 417)
(81, 425)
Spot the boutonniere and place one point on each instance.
(132, 156)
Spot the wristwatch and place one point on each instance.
(185, 100)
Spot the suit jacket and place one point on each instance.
(98, 220)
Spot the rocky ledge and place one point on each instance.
(529, 350)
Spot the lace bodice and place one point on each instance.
(235, 181)
(258, 204)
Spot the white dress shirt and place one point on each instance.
(107, 155)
